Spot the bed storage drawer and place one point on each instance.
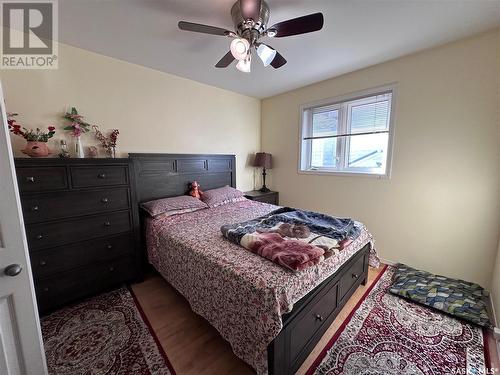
(45, 263)
(52, 206)
(105, 175)
(304, 326)
(41, 179)
(56, 291)
(352, 276)
(59, 233)
(312, 318)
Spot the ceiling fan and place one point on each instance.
(250, 19)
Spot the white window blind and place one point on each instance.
(351, 136)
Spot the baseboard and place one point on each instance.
(388, 262)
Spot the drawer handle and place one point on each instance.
(30, 179)
(42, 263)
(105, 200)
(107, 223)
(102, 176)
(355, 276)
(35, 209)
(109, 247)
(39, 236)
(111, 269)
(46, 289)
(319, 318)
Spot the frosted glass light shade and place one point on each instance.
(239, 48)
(244, 65)
(266, 54)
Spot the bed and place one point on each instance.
(272, 317)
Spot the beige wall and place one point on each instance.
(440, 210)
(495, 282)
(155, 112)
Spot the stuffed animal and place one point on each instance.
(195, 190)
(289, 230)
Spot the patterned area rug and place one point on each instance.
(388, 335)
(104, 335)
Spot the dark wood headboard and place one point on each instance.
(168, 175)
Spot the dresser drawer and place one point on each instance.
(313, 317)
(271, 199)
(47, 262)
(69, 286)
(69, 231)
(351, 278)
(41, 179)
(105, 175)
(52, 206)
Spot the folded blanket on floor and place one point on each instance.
(295, 239)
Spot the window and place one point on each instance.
(353, 135)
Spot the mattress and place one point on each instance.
(240, 293)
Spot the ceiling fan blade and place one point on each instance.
(278, 61)
(300, 25)
(250, 9)
(225, 61)
(205, 29)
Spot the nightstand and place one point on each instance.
(271, 197)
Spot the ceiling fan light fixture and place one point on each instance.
(245, 65)
(271, 33)
(266, 54)
(240, 48)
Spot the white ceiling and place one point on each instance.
(357, 34)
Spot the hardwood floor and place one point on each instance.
(193, 346)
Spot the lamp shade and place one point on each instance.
(263, 160)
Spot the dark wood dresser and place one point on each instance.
(82, 226)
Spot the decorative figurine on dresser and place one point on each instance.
(82, 226)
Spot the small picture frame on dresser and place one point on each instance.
(271, 197)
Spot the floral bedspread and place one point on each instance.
(240, 293)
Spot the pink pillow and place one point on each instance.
(223, 195)
(173, 206)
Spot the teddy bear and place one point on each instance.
(195, 190)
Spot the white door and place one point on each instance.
(21, 347)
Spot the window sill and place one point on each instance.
(386, 176)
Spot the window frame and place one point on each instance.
(305, 118)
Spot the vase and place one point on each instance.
(79, 148)
(111, 152)
(36, 149)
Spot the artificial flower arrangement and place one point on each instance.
(36, 140)
(108, 143)
(37, 135)
(77, 128)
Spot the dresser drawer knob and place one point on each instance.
(105, 200)
(111, 269)
(107, 223)
(109, 247)
(355, 276)
(35, 209)
(39, 236)
(42, 263)
(30, 180)
(102, 176)
(319, 318)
